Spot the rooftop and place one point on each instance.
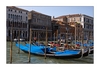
(39, 13)
(13, 7)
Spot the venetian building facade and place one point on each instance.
(86, 22)
(38, 23)
(61, 29)
(17, 19)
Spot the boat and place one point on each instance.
(40, 50)
(90, 46)
(85, 49)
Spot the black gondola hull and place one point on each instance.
(55, 56)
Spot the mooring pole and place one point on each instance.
(54, 37)
(57, 34)
(19, 42)
(82, 47)
(11, 47)
(38, 38)
(46, 41)
(75, 34)
(29, 56)
(60, 39)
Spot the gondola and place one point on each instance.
(85, 51)
(40, 50)
(90, 46)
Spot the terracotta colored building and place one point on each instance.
(61, 30)
(84, 26)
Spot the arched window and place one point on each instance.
(8, 15)
(17, 24)
(26, 18)
(9, 33)
(13, 16)
(21, 24)
(17, 17)
(21, 17)
(10, 23)
(13, 24)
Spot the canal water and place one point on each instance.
(22, 58)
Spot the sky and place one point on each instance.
(61, 10)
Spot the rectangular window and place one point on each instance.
(9, 33)
(84, 20)
(92, 21)
(74, 19)
(26, 33)
(21, 17)
(26, 18)
(8, 15)
(11, 16)
(9, 9)
(80, 19)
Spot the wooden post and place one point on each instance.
(87, 39)
(54, 37)
(66, 35)
(19, 42)
(11, 47)
(82, 38)
(38, 38)
(30, 46)
(75, 34)
(60, 39)
(57, 34)
(82, 49)
(46, 41)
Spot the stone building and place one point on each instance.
(61, 30)
(84, 24)
(17, 19)
(38, 23)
